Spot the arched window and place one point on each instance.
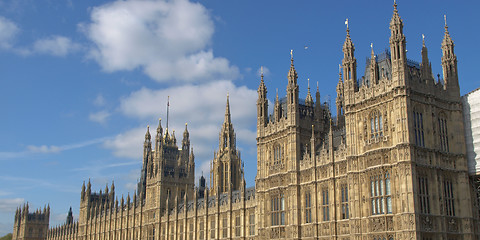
(443, 133)
(278, 210)
(277, 154)
(380, 194)
(376, 125)
(418, 128)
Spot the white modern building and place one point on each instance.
(471, 118)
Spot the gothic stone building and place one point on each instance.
(391, 165)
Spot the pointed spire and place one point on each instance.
(262, 89)
(309, 98)
(372, 53)
(227, 112)
(348, 41)
(447, 40)
(449, 60)
(292, 73)
(148, 137)
(186, 140)
(395, 16)
(396, 23)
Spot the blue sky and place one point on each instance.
(81, 80)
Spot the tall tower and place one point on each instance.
(284, 144)
(31, 226)
(227, 171)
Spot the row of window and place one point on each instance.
(380, 196)
(201, 230)
(376, 129)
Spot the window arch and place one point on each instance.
(277, 154)
(376, 124)
(443, 132)
(380, 194)
(418, 127)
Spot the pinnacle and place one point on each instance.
(227, 111)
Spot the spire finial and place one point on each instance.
(317, 86)
(227, 111)
(446, 26)
(423, 40)
(346, 23)
(308, 83)
(395, 5)
(291, 54)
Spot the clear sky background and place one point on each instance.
(81, 80)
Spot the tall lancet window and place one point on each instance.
(277, 154)
(443, 133)
(376, 125)
(418, 127)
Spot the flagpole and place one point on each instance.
(168, 106)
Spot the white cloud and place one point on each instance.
(55, 45)
(99, 101)
(166, 39)
(8, 31)
(8, 205)
(128, 144)
(99, 117)
(43, 149)
(201, 106)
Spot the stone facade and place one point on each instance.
(392, 165)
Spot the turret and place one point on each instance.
(309, 98)
(112, 192)
(426, 67)
(201, 187)
(69, 217)
(83, 192)
(262, 103)
(292, 93)
(147, 163)
(277, 108)
(373, 68)
(449, 61)
(158, 137)
(227, 134)
(397, 48)
(340, 100)
(186, 144)
(349, 68)
(89, 190)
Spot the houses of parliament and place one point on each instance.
(391, 165)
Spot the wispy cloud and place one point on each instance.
(99, 117)
(8, 31)
(45, 149)
(106, 166)
(37, 182)
(99, 101)
(55, 45)
(8, 205)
